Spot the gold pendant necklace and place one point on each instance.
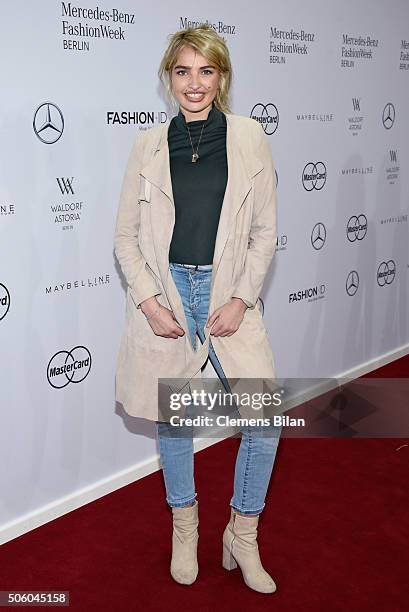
(195, 154)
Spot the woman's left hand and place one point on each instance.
(228, 317)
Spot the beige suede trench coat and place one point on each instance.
(244, 247)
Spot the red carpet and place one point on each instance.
(334, 535)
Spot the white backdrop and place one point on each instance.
(331, 81)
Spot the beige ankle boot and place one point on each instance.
(240, 547)
(183, 567)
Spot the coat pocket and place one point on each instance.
(144, 190)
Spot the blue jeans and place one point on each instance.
(255, 458)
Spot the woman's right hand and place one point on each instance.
(161, 319)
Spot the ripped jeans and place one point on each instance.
(256, 454)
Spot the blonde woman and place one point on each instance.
(195, 235)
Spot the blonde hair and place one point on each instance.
(208, 43)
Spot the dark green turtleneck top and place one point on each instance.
(198, 188)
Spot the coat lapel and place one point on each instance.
(157, 170)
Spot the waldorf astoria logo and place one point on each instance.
(66, 213)
(143, 119)
(48, 123)
(65, 185)
(267, 116)
(4, 301)
(67, 367)
(355, 121)
(392, 167)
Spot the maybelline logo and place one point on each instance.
(67, 214)
(386, 273)
(219, 26)
(318, 236)
(320, 117)
(266, 115)
(355, 122)
(289, 42)
(48, 123)
(84, 30)
(357, 226)
(7, 209)
(314, 176)
(68, 286)
(394, 219)
(357, 170)
(392, 169)
(312, 294)
(352, 283)
(388, 116)
(356, 48)
(143, 119)
(4, 301)
(281, 242)
(67, 367)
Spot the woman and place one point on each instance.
(195, 235)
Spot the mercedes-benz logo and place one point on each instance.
(388, 116)
(314, 176)
(352, 283)
(318, 236)
(69, 367)
(386, 273)
(357, 227)
(4, 301)
(48, 123)
(267, 116)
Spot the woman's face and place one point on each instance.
(194, 84)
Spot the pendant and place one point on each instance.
(195, 157)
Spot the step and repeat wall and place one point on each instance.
(329, 82)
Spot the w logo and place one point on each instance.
(356, 103)
(393, 156)
(65, 185)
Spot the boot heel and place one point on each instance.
(229, 562)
